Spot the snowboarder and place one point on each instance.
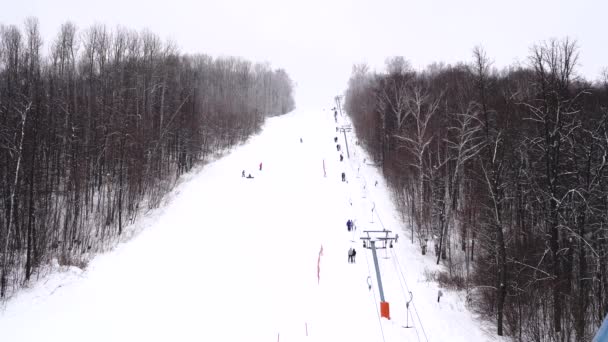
(249, 176)
(260, 166)
(343, 177)
(341, 157)
(243, 174)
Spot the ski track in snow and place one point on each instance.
(235, 259)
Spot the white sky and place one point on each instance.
(317, 41)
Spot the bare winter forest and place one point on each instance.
(503, 177)
(96, 127)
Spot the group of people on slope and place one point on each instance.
(350, 226)
(352, 253)
(249, 176)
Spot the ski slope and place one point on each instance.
(235, 259)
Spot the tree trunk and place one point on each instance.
(5, 269)
(120, 185)
(502, 278)
(31, 216)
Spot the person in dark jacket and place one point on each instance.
(343, 177)
(341, 157)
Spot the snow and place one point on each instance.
(235, 259)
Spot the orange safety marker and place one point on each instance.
(384, 310)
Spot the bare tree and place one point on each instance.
(421, 108)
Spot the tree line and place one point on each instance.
(95, 132)
(502, 173)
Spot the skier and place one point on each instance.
(338, 147)
(335, 139)
(341, 157)
(343, 177)
(350, 255)
(260, 166)
(243, 173)
(349, 225)
(301, 141)
(354, 255)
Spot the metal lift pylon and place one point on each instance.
(384, 306)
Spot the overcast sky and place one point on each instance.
(318, 41)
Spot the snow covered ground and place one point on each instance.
(235, 259)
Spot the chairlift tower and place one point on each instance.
(344, 129)
(338, 100)
(376, 235)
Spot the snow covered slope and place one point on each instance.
(235, 259)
